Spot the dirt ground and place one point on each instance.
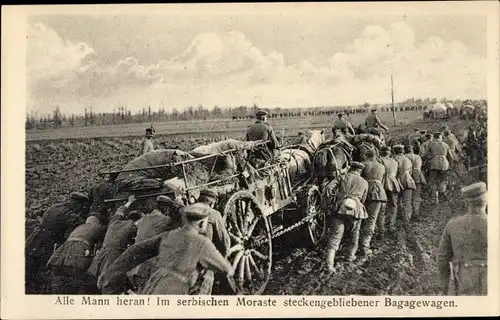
(402, 265)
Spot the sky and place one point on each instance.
(278, 60)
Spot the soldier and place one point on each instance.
(70, 262)
(344, 125)
(348, 213)
(372, 121)
(452, 143)
(423, 148)
(55, 226)
(149, 226)
(392, 188)
(120, 235)
(261, 130)
(147, 142)
(464, 243)
(419, 179)
(407, 183)
(179, 252)
(440, 156)
(374, 173)
(452, 136)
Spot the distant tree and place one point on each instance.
(57, 118)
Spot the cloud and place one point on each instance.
(228, 69)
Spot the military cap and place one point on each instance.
(194, 212)
(261, 113)
(445, 127)
(398, 147)
(437, 134)
(385, 148)
(340, 113)
(428, 135)
(446, 132)
(208, 194)
(79, 196)
(416, 129)
(474, 190)
(163, 199)
(374, 109)
(149, 130)
(357, 165)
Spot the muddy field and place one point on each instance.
(402, 265)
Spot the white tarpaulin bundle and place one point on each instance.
(439, 108)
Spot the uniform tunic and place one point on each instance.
(153, 224)
(216, 231)
(343, 125)
(391, 183)
(354, 187)
(374, 173)
(416, 163)
(57, 223)
(261, 130)
(70, 262)
(438, 153)
(373, 121)
(119, 236)
(405, 171)
(146, 146)
(465, 243)
(180, 252)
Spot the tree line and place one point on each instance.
(122, 115)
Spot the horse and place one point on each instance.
(300, 158)
(332, 159)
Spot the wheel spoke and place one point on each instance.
(237, 259)
(248, 273)
(254, 265)
(252, 226)
(241, 267)
(234, 223)
(234, 249)
(234, 237)
(259, 255)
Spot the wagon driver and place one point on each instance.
(373, 122)
(261, 130)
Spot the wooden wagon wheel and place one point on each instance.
(316, 217)
(250, 252)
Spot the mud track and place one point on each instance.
(404, 264)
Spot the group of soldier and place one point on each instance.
(171, 247)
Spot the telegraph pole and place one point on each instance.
(392, 97)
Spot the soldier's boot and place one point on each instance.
(352, 255)
(330, 260)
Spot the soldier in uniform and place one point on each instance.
(70, 262)
(348, 213)
(261, 130)
(392, 188)
(452, 143)
(179, 252)
(147, 142)
(451, 135)
(120, 234)
(374, 173)
(344, 125)
(149, 226)
(423, 148)
(55, 226)
(419, 179)
(373, 121)
(440, 156)
(405, 170)
(464, 244)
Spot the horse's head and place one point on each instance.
(315, 138)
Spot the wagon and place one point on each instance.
(259, 211)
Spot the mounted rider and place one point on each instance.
(344, 125)
(261, 130)
(374, 124)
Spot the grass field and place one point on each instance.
(213, 126)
